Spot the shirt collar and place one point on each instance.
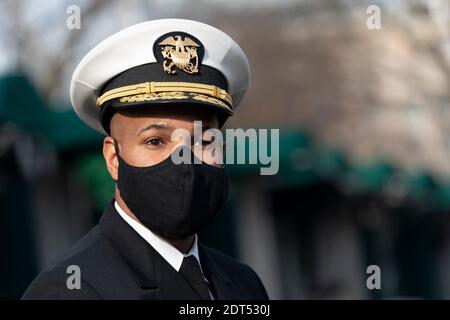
(171, 254)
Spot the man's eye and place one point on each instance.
(203, 142)
(155, 142)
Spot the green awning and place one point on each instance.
(21, 105)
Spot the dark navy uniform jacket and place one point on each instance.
(117, 263)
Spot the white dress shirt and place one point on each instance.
(171, 254)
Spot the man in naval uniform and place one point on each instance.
(137, 87)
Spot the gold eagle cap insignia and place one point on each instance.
(180, 53)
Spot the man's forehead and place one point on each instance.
(161, 119)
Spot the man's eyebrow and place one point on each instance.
(157, 126)
(204, 127)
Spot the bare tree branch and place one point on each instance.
(55, 72)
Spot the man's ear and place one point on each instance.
(110, 155)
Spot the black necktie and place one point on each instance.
(190, 270)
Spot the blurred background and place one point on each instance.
(364, 119)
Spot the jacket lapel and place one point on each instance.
(154, 276)
(223, 285)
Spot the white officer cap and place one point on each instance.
(163, 61)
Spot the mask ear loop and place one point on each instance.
(116, 147)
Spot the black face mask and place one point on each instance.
(173, 200)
